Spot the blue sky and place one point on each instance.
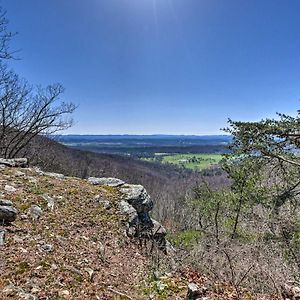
(162, 66)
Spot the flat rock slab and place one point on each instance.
(54, 175)
(15, 162)
(114, 182)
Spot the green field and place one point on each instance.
(196, 162)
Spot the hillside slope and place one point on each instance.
(68, 242)
(167, 184)
(76, 249)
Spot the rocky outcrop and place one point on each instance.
(137, 196)
(15, 162)
(136, 204)
(114, 182)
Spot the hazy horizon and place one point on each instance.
(152, 134)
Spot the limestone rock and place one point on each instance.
(35, 212)
(27, 296)
(5, 202)
(2, 237)
(136, 205)
(137, 196)
(11, 290)
(54, 175)
(19, 174)
(114, 182)
(158, 229)
(193, 291)
(8, 214)
(15, 162)
(46, 248)
(10, 189)
(127, 209)
(104, 202)
(64, 293)
(50, 201)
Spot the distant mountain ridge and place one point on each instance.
(145, 145)
(136, 136)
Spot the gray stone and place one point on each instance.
(2, 237)
(19, 174)
(158, 229)
(54, 175)
(15, 162)
(193, 291)
(27, 296)
(137, 196)
(10, 189)
(159, 236)
(11, 290)
(5, 202)
(47, 248)
(104, 202)
(35, 212)
(127, 209)
(170, 250)
(32, 179)
(114, 182)
(50, 201)
(8, 214)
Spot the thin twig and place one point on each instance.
(119, 293)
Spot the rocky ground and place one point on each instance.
(68, 238)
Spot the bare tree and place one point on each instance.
(26, 112)
(5, 37)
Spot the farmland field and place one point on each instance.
(196, 161)
(189, 152)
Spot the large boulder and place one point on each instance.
(137, 196)
(8, 214)
(137, 204)
(114, 182)
(14, 162)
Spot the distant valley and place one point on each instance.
(187, 151)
